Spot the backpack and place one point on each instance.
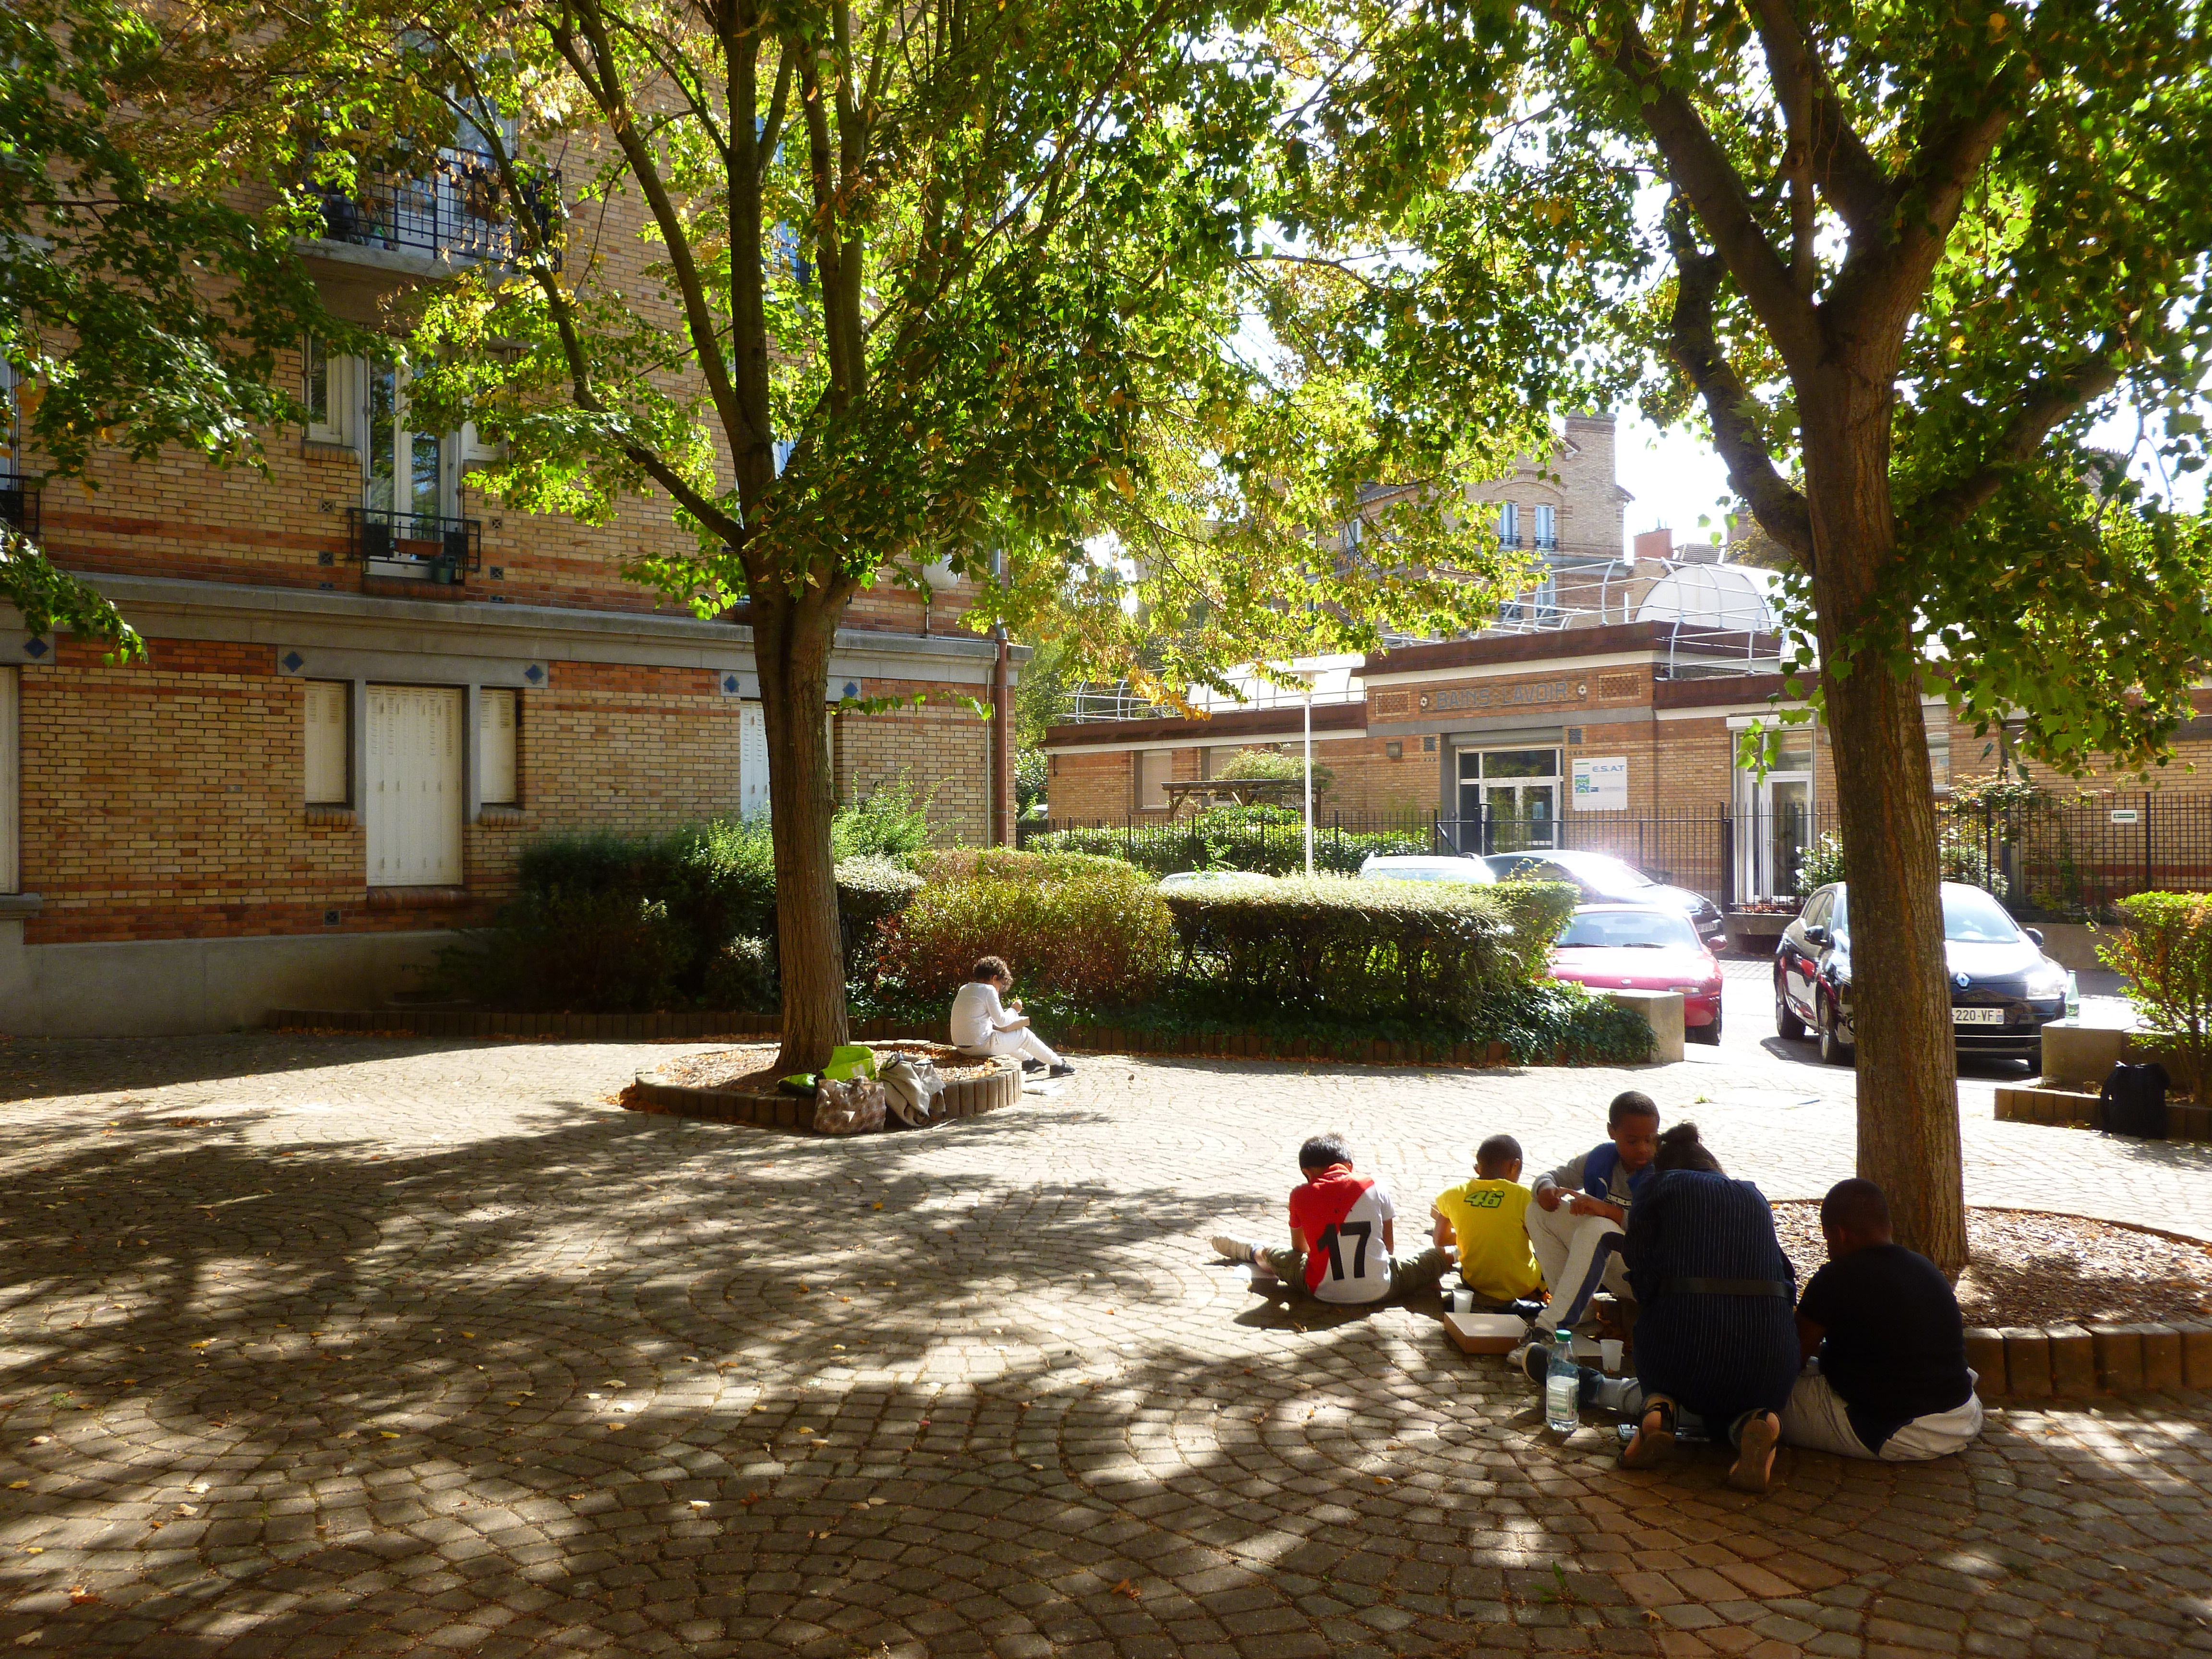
(913, 1092)
(2133, 1100)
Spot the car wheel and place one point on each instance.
(1708, 1034)
(1834, 1051)
(2034, 1058)
(1786, 1022)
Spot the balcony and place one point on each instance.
(19, 505)
(457, 211)
(400, 552)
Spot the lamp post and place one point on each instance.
(1309, 673)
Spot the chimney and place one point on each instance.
(1655, 544)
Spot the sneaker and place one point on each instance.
(1236, 1249)
(1535, 1362)
(1655, 1435)
(1061, 1070)
(1032, 1066)
(1527, 1307)
(1754, 1452)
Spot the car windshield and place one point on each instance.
(1426, 873)
(1619, 930)
(1973, 917)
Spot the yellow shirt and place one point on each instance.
(1488, 1219)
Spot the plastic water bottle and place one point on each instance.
(1563, 1383)
(2073, 996)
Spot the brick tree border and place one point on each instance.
(2021, 1363)
(970, 1097)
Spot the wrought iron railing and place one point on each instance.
(413, 546)
(456, 209)
(19, 505)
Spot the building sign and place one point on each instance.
(1601, 784)
(1501, 696)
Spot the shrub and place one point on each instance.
(1091, 932)
(1820, 863)
(1268, 839)
(1549, 1019)
(869, 890)
(741, 977)
(1270, 763)
(1032, 782)
(893, 823)
(2166, 954)
(1961, 852)
(610, 951)
(1403, 950)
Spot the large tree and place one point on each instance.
(1900, 256)
(139, 309)
(995, 271)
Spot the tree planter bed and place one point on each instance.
(974, 1088)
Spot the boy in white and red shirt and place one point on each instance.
(1343, 1234)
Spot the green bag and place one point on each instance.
(848, 1060)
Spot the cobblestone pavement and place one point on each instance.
(316, 1346)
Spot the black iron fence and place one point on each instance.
(2047, 862)
(414, 545)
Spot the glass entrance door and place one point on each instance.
(405, 472)
(1509, 799)
(1775, 814)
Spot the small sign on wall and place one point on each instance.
(1601, 784)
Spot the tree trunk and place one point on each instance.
(1908, 1093)
(790, 649)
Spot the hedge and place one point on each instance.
(1372, 949)
(1268, 839)
(1089, 930)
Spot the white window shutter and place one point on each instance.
(414, 792)
(496, 746)
(325, 743)
(752, 760)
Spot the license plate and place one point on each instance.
(1977, 1017)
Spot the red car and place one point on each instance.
(1640, 947)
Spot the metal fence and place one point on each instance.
(456, 207)
(2079, 857)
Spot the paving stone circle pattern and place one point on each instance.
(341, 1345)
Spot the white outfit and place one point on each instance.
(1815, 1419)
(1579, 1254)
(980, 1023)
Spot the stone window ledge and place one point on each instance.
(418, 898)
(333, 817)
(21, 904)
(497, 818)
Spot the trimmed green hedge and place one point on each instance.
(1268, 839)
(2165, 951)
(1371, 949)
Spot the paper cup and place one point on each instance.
(1462, 1301)
(1609, 1350)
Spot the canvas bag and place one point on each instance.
(2133, 1100)
(913, 1092)
(849, 1109)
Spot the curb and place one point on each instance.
(2076, 1108)
(964, 1097)
(2074, 1362)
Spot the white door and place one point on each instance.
(415, 792)
(752, 760)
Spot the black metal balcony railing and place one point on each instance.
(456, 211)
(1509, 538)
(413, 546)
(19, 505)
(1546, 544)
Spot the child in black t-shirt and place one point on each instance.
(1882, 1323)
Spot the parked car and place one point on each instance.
(1643, 947)
(1214, 879)
(1603, 879)
(1422, 866)
(2003, 988)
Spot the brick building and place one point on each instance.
(369, 686)
(1606, 710)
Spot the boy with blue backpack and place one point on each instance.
(1579, 1215)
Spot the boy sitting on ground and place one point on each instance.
(1578, 1217)
(983, 1025)
(1483, 1217)
(1881, 1325)
(1343, 1234)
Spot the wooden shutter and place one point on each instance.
(414, 792)
(11, 801)
(496, 746)
(325, 744)
(752, 760)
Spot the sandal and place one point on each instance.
(1655, 1435)
(1758, 1434)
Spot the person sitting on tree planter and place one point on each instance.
(983, 1025)
(1886, 1374)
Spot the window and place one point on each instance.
(11, 423)
(497, 713)
(1939, 748)
(329, 745)
(413, 796)
(1508, 525)
(1154, 767)
(11, 863)
(1547, 527)
(404, 471)
(332, 395)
